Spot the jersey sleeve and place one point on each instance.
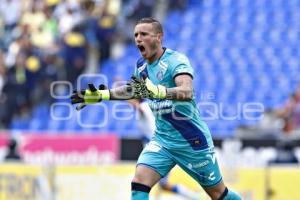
(182, 66)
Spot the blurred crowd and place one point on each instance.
(42, 41)
(45, 41)
(281, 122)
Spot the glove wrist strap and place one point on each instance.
(162, 92)
(105, 95)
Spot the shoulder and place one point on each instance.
(140, 62)
(179, 64)
(176, 58)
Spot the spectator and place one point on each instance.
(68, 20)
(10, 12)
(45, 36)
(2, 71)
(12, 151)
(104, 33)
(290, 113)
(11, 102)
(74, 54)
(34, 18)
(13, 155)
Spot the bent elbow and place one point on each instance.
(189, 98)
(188, 95)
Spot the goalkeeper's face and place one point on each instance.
(147, 40)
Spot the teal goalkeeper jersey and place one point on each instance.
(178, 123)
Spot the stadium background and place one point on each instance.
(246, 57)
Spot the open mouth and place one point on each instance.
(141, 48)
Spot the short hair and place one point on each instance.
(150, 20)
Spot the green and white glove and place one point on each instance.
(145, 88)
(90, 96)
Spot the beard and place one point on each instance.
(153, 48)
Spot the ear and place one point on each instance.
(160, 37)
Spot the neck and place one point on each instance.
(156, 56)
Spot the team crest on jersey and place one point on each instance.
(160, 75)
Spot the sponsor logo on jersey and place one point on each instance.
(212, 176)
(161, 106)
(198, 165)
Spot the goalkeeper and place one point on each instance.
(165, 78)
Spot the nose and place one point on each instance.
(138, 38)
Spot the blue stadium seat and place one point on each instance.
(20, 124)
(242, 51)
(38, 124)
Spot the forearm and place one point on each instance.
(93, 95)
(180, 93)
(183, 90)
(121, 93)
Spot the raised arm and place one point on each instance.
(136, 89)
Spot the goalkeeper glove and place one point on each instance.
(90, 96)
(145, 88)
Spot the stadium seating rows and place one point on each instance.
(243, 52)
